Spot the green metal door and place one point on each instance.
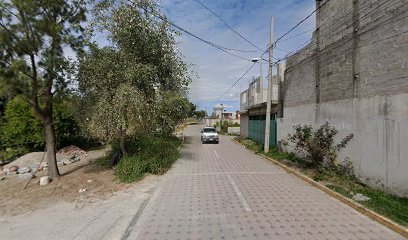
(256, 129)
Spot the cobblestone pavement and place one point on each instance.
(222, 191)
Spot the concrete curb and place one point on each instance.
(360, 208)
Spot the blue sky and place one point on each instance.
(216, 71)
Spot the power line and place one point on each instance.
(300, 34)
(239, 79)
(224, 49)
(226, 24)
(303, 20)
(365, 10)
(273, 45)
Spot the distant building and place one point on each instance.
(219, 114)
(218, 110)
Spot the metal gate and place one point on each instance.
(256, 129)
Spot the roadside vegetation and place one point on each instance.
(147, 155)
(315, 154)
(130, 93)
(225, 125)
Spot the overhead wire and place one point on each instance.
(367, 11)
(235, 83)
(308, 41)
(274, 43)
(226, 24)
(221, 48)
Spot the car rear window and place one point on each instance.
(210, 130)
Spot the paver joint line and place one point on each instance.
(360, 208)
(224, 173)
(216, 155)
(239, 194)
(225, 192)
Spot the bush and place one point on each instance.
(21, 128)
(147, 154)
(130, 169)
(21, 131)
(318, 145)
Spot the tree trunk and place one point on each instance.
(50, 141)
(122, 145)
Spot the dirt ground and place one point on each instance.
(15, 200)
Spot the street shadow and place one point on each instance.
(90, 167)
(186, 151)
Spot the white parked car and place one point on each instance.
(209, 134)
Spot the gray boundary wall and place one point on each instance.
(354, 74)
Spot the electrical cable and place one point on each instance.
(226, 24)
(366, 10)
(224, 49)
(272, 45)
(239, 79)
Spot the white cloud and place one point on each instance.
(218, 71)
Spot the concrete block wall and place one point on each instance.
(244, 127)
(354, 75)
(299, 86)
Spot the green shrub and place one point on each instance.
(21, 128)
(130, 169)
(21, 131)
(318, 144)
(147, 154)
(67, 130)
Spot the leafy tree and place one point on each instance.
(33, 37)
(21, 128)
(171, 110)
(199, 114)
(138, 84)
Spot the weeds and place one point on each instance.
(318, 145)
(340, 178)
(146, 154)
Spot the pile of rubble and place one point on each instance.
(27, 164)
(72, 150)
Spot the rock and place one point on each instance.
(360, 197)
(1, 170)
(25, 176)
(12, 168)
(60, 164)
(82, 190)
(44, 180)
(89, 180)
(2, 178)
(44, 165)
(75, 159)
(66, 161)
(23, 170)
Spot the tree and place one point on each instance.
(21, 128)
(171, 110)
(33, 37)
(115, 106)
(132, 85)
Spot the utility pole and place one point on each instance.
(269, 94)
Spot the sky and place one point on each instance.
(216, 71)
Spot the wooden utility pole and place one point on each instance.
(269, 94)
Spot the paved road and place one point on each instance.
(225, 192)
